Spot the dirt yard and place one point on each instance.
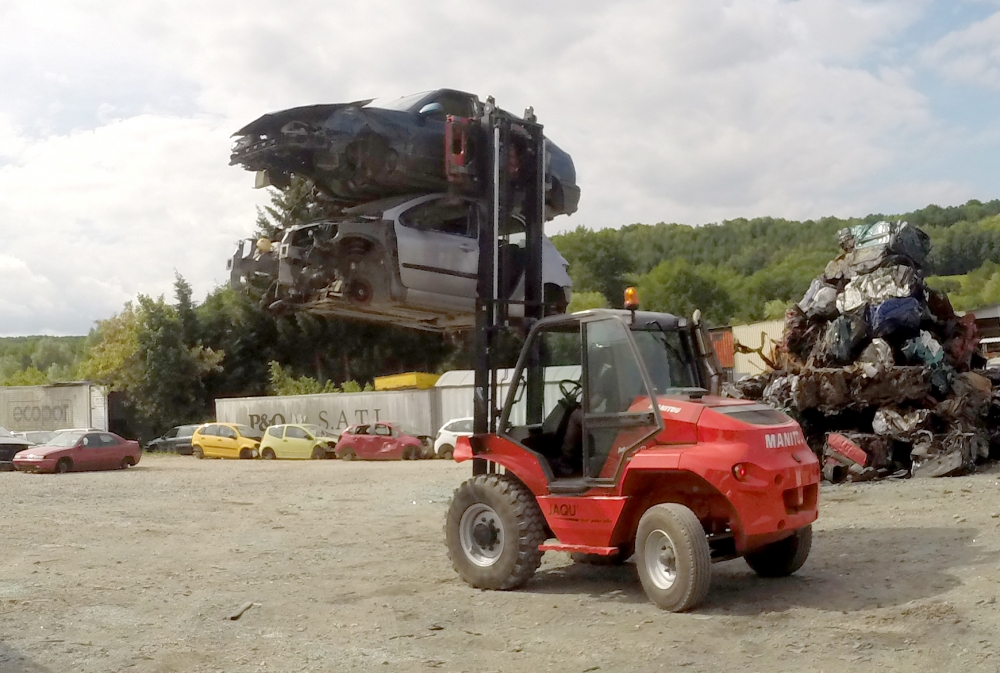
(345, 566)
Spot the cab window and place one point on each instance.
(226, 432)
(108, 440)
(293, 432)
(383, 430)
(274, 431)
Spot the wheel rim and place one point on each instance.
(660, 557)
(481, 534)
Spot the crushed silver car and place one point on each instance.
(410, 261)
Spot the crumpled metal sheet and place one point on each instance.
(924, 349)
(751, 387)
(899, 385)
(820, 301)
(893, 423)
(778, 392)
(876, 358)
(875, 287)
(897, 238)
(962, 345)
(854, 263)
(949, 453)
(801, 334)
(841, 340)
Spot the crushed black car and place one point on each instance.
(371, 149)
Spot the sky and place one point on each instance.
(116, 116)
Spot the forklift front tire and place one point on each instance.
(673, 557)
(784, 557)
(493, 529)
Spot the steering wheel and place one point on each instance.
(570, 389)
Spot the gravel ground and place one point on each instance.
(345, 567)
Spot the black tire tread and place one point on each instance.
(530, 528)
(784, 557)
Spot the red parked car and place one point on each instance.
(378, 441)
(79, 451)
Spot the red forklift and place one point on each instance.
(613, 440)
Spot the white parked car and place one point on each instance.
(444, 445)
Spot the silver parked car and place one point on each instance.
(410, 261)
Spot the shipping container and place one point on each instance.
(415, 410)
(53, 407)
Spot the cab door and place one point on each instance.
(618, 414)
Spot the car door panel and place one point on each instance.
(437, 247)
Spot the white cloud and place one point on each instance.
(970, 55)
(114, 130)
(102, 215)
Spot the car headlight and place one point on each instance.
(32, 456)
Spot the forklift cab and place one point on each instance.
(581, 394)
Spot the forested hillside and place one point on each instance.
(744, 270)
(171, 358)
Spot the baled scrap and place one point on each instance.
(899, 425)
(820, 301)
(841, 340)
(876, 358)
(873, 288)
(899, 385)
(778, 392)
(924, 349)
(896, 317)
(896, 238)
(854, 263)
(963, 342)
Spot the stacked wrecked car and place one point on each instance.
(878, 368)
(399, 237)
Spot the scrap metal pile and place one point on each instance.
(882, 374)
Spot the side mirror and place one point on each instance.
(431, 108)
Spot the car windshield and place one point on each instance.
(248, 432)
(314, 430)
(402, 104)
(65, 440)
(668, 360)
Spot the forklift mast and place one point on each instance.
(503, 158)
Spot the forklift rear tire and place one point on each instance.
(493, 529)
(673, 557)
(784, 557)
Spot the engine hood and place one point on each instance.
(43, 451)
(688, 420)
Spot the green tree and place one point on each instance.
(581, 301)
(678, 287)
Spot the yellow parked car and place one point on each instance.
(225, 440)
(297, 441)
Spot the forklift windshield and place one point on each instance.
(669, 359)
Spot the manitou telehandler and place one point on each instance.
(613, 440)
